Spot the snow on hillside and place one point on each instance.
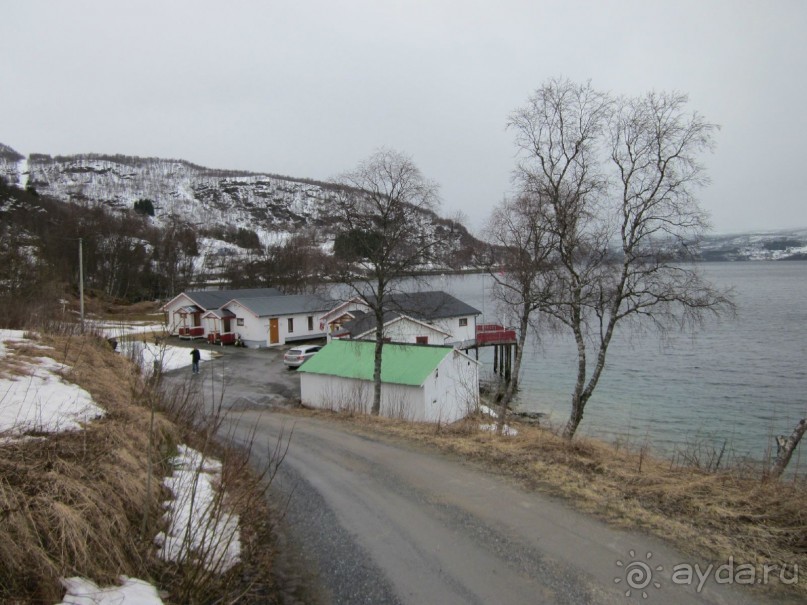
(131, 592)
(12, 166)
(197, 526)
(273, 207)
(178, 189)
(768, 245)
(34, 396)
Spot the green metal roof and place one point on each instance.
(400, 363)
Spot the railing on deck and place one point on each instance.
(494, 334)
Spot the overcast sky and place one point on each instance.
(310, 88)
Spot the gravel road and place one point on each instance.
(376, 521)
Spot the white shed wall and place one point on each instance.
(452, 391)
(349, 394)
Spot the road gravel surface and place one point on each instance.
(375, 520)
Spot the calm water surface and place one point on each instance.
(740, 380)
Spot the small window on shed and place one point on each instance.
(422, 340)
(291, 324)
(310, 323)
(463, 322)
(239, 321)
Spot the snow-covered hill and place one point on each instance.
(272, 206)
(788, 244)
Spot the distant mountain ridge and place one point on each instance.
(274, 207)
(785, 244)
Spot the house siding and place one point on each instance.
(173, 320)
(255, 331)
(408, 331)
(459, 333)
(350, 394)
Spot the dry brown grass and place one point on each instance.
(712, 515)
(68, 502)
(74, 503)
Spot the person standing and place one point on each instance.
(195, 356)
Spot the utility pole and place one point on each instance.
(81, 281)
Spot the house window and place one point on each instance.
(463, 322)
(239, 321)
(291, 324)
(310, 323)
(422, 340)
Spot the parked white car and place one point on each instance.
(295, 357)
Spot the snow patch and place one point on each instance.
(198, 527)
(507, 430)
(36, 397)
(132, 591)
(168, 357)
(488, 411)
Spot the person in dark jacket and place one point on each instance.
(195, 355)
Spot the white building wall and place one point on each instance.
(301, 330)
(408, 331)
(173, 318)
(458, 333)
(255, 331)
(452, 390)
(352, 395)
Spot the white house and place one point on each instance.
(277, 320)
(184, 312)
(257, 318)
(427, 317)
(419, 383)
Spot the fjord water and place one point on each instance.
(738, 380)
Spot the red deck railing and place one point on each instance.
(196, 332)
(494, 334)
(221, 338)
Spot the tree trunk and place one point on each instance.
(512, 386)
(786, 448)
(579, 397)
(379, 345)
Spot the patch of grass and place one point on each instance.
(708, 514)
(74, 503)
(68, 501)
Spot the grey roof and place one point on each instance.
(214, 299)
(363, 323)
(271, 306)
(427, 305)
(221, 313)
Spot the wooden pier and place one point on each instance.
(503, 341)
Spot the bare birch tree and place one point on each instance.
(384, 206)
(786, 447)
(520, 243)
(618, 180)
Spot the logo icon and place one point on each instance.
(638, 574)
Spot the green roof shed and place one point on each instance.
(400, 363)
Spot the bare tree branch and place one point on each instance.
(617, 180)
